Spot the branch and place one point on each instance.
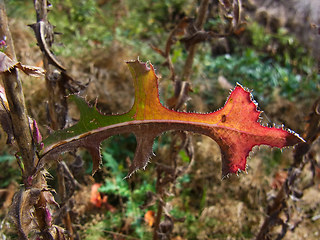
(288, 189)
(55, 80)
(193, 48)
(14, 94)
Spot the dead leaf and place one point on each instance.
(149, 218)
(31, 71)
(6, 64)
(95, 196)
(22, 209)
(98, 200)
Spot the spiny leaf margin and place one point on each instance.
(235, 127)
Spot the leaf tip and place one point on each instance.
(95, 153)
(138, 66)
(293, 138)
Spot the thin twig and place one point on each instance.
(187, 70)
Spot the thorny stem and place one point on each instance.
(202, 13)
(57, 105)
(14, 94)
(5, 32)
(41, 205)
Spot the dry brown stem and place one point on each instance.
(57, 105)
(201, 18)
(14, 94)
(288, 189)
(55, 80)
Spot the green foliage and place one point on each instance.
(20, 9)
(272, 64)
(95, 231)
(196, 227)
(12, 172)
(5, 158)
(184, 157)
(86, 24)
(82, 25)
(263, 74)
(273, 161)
(121, 193)
(259, 37)
(281, 46)
(115, 185)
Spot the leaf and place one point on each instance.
(95, 196)
(235, 127)
(6, 64)
(149, 218)
(22, 210)
(31, 70)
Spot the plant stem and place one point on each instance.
(57, 104)
(301, 158)
(15, 97)
(202, 13)
(157, 222)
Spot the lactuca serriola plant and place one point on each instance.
(235, 127)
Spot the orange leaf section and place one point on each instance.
(95, 197)
(98, 200)
(149, 218)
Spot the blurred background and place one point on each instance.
(273, 49)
